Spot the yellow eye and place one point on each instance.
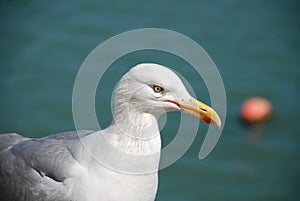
(157, 88)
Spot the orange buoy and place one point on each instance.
(256, 109)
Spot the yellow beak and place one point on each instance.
(200, 110)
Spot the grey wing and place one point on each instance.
(35, 169)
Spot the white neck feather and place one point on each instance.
(136, 134)
(130, 146)
(132, 142)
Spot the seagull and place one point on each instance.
(120, 162)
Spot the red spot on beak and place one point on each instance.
(207, 120)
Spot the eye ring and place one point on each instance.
(157, 89)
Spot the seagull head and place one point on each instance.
(155, 89)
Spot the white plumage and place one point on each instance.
(117, 163)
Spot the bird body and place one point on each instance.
(37, 169)
(58, 167)
(117, 163)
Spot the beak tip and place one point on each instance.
(217, 123)
(213, 119)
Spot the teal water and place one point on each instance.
(255, 45)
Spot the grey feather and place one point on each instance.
(37, 168)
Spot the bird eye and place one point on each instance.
(157, 88)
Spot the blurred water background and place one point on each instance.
(255, 45)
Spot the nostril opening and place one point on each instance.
(204, 110)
